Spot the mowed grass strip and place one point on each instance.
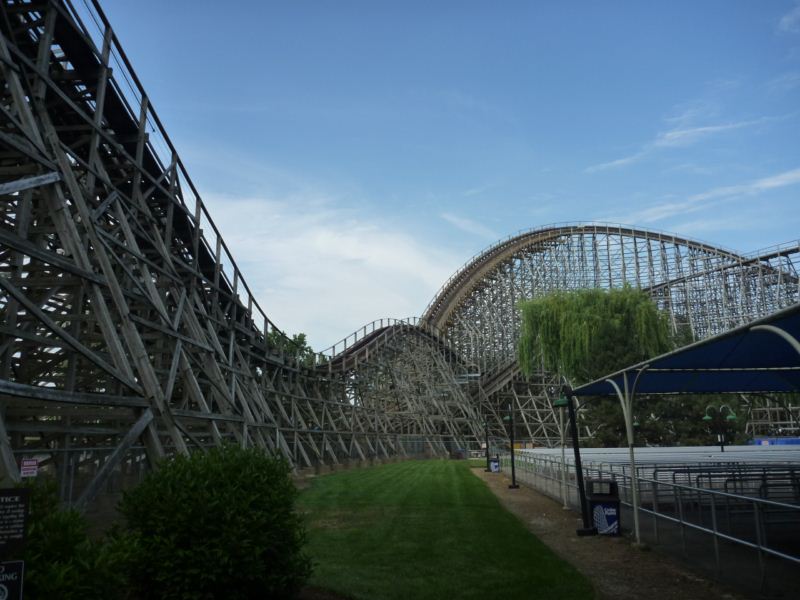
(426, 529)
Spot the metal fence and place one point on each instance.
(737, 522)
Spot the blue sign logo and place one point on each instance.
(606, 520)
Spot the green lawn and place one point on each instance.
(476, 462)
(426, 529)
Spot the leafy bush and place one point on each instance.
(219, 524)
(60, 559)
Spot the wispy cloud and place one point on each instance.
(467, 104)
(619, 162)
(319, 269)
(696, 202)
(677, 137)
(790, 22)
(785, 82)
(469, 226)
(691, 135)
(692, 168)
(738, 221)
(478, 190)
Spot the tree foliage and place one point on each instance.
(667, 421)
(585, 334)
(296, 346)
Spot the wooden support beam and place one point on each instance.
(111, 463)
(20, 185)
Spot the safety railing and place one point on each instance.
(719, 531)
(371, 337)
(363, 332)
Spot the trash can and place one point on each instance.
(603, 498)
(494, 464)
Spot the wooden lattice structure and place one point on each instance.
(127, 331)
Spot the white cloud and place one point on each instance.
(478, 190)
(687, 113)
(317, 269)
(690, 135)
(620, 162)
(790, 22)
(738, 221)
(677, 137)
(692, 168)
(469, 226)
(698, 201)
(784, 83)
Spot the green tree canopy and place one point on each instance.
(585, 334)
(296, 346)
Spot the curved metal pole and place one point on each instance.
(779, 332)
(626, 400)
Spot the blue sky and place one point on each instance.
(355, 154)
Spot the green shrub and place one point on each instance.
(219, 524)
(60, 559)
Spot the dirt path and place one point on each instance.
(618, 570)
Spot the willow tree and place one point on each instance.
(585, 334)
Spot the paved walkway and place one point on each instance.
(618, 570)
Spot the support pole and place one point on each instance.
(563, 432)
(513, 485)
(573, 427)
(626, 400)
(486, 432)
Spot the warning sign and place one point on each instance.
(13, 514)
(29, 467)
(11, 573)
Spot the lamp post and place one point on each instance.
(513, 485)
(566, 400)
(486, 432)
(729, 418)
(561, 404)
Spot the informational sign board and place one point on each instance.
(13, 515)
(28, 468)
(11, 575)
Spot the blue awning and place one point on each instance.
(761, 356)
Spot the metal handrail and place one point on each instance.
(549, 467)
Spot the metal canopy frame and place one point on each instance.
(762, 356)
